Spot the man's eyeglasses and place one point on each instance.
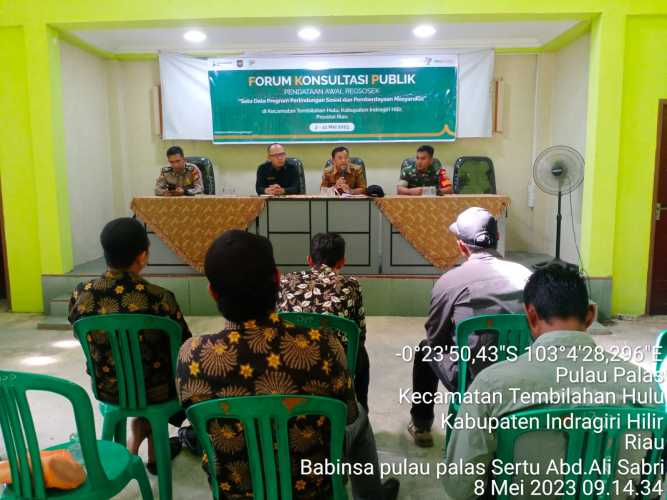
(277, 155)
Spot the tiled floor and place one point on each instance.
(21, 343)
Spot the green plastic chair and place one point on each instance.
(109, 466)
(123, 332)
(586, 446)
(332, 322)
(513, 333)
(266, 413)
(661, 350)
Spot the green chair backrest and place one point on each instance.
(205, 166)
(123, 331)
(585, 446)
(20, 438)
(661, 350)
(298, 164)
(513, 336)
(474, 175)
(266, 414)
(331, 322)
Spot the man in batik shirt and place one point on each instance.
(259, 354)
(342, 174)
(322, 289)
(121, 290)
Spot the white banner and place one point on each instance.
(186, 103)
(320, 62)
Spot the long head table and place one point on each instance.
(188, 225)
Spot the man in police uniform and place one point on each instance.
(277, 175)
(180, 177)
(423, 173)
(341, 174)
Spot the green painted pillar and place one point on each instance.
(48, 146)
(644, 85)
(33, 171)
(19, 197)
(605, 92)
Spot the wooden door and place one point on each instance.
(657, 303)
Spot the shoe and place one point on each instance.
(189, 440)
(174, 448)
(390, 489)
(423, 437)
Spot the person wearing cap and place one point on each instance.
(483, 284)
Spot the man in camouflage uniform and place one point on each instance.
(422, 173)
(180, 177)
(342, 175)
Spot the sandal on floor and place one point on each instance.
(174, 447)
(189, 440)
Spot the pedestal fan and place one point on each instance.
(558, 170)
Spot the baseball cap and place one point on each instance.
(375, 191)
(476, 226)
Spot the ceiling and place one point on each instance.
(339, 37)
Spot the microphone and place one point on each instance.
(343, 175)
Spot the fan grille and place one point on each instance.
(558, 169)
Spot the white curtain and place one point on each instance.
(475, 100)
(186, 102)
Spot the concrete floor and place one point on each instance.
(51, 353)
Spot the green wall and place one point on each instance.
(627, 75)
(602, 142)
(32, 162)
(19, 196)
(644, 83)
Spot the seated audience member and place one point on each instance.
(558, 312)
(341, 174)
(121, 290)
(483, 284)
(323, 289)
(257, 353)
(423, 173)
(179, 177)
(277, 175)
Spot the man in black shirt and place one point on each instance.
(277, 176)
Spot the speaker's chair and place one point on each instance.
(474, 175)
(298, 164)
(206, 168)
(356, 161)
